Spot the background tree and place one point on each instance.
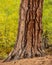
(29, 39)
(45, 40)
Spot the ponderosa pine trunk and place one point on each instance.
(29, 39)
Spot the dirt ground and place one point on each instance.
(47, 60)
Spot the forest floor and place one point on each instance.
(47, 60)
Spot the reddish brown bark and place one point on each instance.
(29, 40)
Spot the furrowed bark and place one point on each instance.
(29, 39)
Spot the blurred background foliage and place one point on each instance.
(9, 16)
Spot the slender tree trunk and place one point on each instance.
(29, 40)
(45, 40)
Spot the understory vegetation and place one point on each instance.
(9, 17)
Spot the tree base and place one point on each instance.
(23, 54)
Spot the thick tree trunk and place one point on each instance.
(29, 40)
